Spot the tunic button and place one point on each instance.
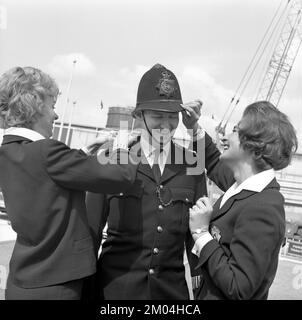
(159, 229)
(151, 271)
(155, 251)
(160, 207)
(161, 186)
(187, 200)
(121, 194)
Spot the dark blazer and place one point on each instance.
(43, 184)
(142, 257)
(241, 262)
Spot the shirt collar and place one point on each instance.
(24, 132)
(149, 151)
(256, 182)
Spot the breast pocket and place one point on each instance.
(182, 201)
(125, 210)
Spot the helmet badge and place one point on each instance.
(166, 85)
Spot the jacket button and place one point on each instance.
(121, 194)
(160, 229)
(151, 271)
(161, 186)
(187, 200)
(155, 250)
(160, 207)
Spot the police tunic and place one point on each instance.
(142, 257)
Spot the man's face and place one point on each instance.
(161, 124)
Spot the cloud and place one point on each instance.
(197, 83)
(61, 65)
(133, 74)
(126, 83)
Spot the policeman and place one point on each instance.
(142, 257)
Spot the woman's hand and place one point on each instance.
(102, 140)
(200, 216)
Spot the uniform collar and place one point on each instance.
(24, 132)
(149, 151)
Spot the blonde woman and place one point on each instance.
(43, 183)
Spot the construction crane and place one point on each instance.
(283, 58)
(284, 36)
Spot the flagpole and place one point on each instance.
(96, 128)
(67, 100)
(70, 121)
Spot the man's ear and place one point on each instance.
(138, 115)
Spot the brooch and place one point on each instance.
(215, 232)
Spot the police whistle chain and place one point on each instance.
(158, 193)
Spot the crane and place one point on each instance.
(283, 58)
(284, 35)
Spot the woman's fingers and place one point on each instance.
(203, 202)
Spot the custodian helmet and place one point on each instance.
(158, 90)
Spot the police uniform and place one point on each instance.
(148, 225)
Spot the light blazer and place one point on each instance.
(241, 262)
(43, 184)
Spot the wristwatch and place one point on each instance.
(199, 231)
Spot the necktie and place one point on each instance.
(155, 167)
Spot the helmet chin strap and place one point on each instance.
(151, 136)
(143, 115)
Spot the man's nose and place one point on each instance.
(166, 124)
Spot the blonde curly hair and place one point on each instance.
(22, 95)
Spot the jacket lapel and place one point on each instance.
(217, 212)
(240, 196)
(146, 170)
(144, 166)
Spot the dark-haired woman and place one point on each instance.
(238, 240)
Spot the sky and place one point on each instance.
(208, 44)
